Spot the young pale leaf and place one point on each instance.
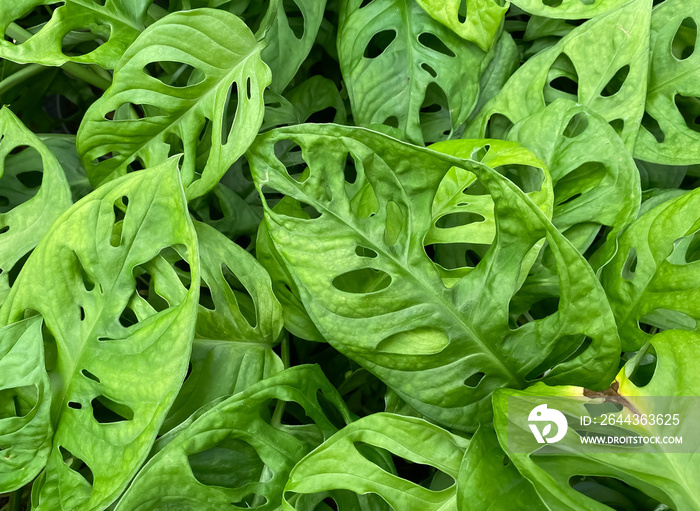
(288, 42)
(238, 322)
(33, 193)
(112, 27)
(596, 182)
(479, 23)
(488, 481)
(355, 251)
(236, 454)
(350, 460)
(25, 404)
(670, 479)
(670, 132)
(603, 64)
(568, 9)
(217, 113)
(121, 304)
(394, 57)
(653, 280)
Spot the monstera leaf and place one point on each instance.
(652, 282)
(238, 454)
(111, 27)
(290, 38)
(568, 9)
(603, 65)
(353, 460)
(481, 19)
(119, 308)
(488, 481)
(442, 350)
(238, 322)
(25, 404)
(419, 63)
(33, 193)
(563, 473)
(210, 107)
(670, 132)
(596, 182)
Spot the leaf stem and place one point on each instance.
(20, 76)
(84, 73)
(16, 500)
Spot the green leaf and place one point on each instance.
(237, 452)
(212, 117)
(394, 57)
(350, 460)
(290, 38)
(123, 322)
(442, 350)
(25, 404)
(596, 182)
(488, 480)
(239, 320)
(568, 9)
(603, 65)
(33, 193)
(662, 478)
(105, 29)
(669, 132)
(479, 23)
(652, 281)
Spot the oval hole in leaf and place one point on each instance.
(429, 69)
(630, 266)
(89, 375)
(243, 297)
(419, 341)
(230, 112)
(562, 80)
(552, 3)
(76, 464)
(689, 107)
(616, 82)
(230, 463)
(618, 125)
(526, 177)
(432, 42)
(458, 219)
(379, 43)
(498, 126)
(30, 179)
(362, 281)
(174, 74)
(577, 125)
(81, 41)
(474, 379)
(641, 370)
(666, 319)
(107, 411)
(119, 209)
(685, 39)
(614, 493)
(365, 252)
(392, 121)
(295, 18)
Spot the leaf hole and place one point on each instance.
(350, 169)
(229, 113)
(615, 493)
(89, 375)
(667, 319)
(362, 281)
(295, 18)
(74, 405)
(689, 108)
(393, 223)
(630, 266)
(243, 297)
(459, 219)
(429, 69)
(562, 80)
(30, 179)
(418, 341)
(228, 463)
(498, 126)
(685, 39)
(18, 401)
(365, 252)
(432, 42)
(641, 369)
(82, 41)
(205, 298)
(16, 269)
(616, 82)
(526, 177)
(577, 125)
(379, 43)
(76, 464)
(552, 3)
(106, 411)
(392, 121)
(119, 210)
(474, 380)
(174, 74)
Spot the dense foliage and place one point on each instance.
(296, 254)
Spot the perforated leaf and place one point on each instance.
(478, 21)
(568, 9)
(123, 322)
(33, 193)
(397, 60)
(603, 65)
(238, 455)
(653, 280)
(442, 350)
(664, 478)
(212, 117)
(86, 31)
(349, 461)
(25, 404)
(669, 132)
